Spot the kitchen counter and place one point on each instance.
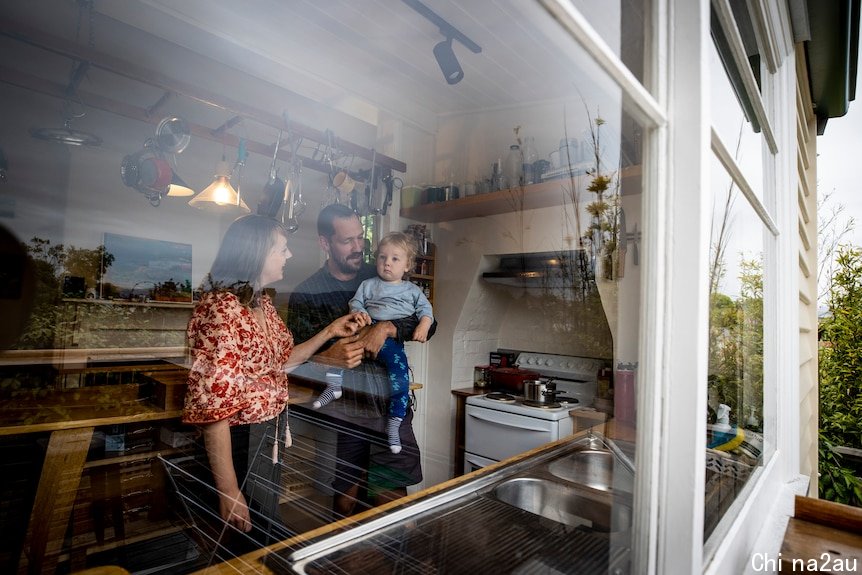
(253, 562)
(71, 416)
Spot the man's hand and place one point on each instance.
(346, 352)
(374, 336)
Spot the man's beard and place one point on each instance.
(349, 265)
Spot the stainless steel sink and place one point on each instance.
(563, 504)
(585, 484)
(593, 468)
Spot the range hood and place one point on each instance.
(543, 270)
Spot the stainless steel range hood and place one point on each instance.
(539, 270)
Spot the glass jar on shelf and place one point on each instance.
(513, 168)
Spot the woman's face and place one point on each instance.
(273, 265)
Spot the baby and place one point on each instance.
(386, 297)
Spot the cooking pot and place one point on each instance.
(541, 391)
(511, 378)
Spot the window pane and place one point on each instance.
(735, 375)
(735, 131)
(529, 165)
(622, 24)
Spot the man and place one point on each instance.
(363, 455)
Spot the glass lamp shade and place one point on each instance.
(177, 188)
(219, 196)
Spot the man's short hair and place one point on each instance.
(326, 219)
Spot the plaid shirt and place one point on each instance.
(314, 304)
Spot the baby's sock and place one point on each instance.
(392, 426)
(332, 391)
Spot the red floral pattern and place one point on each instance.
(237, 368)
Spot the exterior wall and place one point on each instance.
(807, 196)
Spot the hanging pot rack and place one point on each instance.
(239, 111)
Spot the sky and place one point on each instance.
(839, 170)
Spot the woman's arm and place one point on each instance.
(232, 505)
(344, 326)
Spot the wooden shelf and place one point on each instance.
(534, 196)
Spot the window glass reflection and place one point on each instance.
(734, 408)
(735, 131)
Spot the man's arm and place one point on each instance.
(405, 327)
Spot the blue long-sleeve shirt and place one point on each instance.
(387, 301)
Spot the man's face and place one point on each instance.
(344, 248)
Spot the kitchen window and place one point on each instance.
(741, 277)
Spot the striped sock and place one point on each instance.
(332, 391)
(392, 426)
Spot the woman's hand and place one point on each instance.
(234, 510)
(348, 325)
(232, 506)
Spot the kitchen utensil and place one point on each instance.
(541, 391)
(173, 135)
(481, 375)
(343, 182)
(511, 378)
(273, 191)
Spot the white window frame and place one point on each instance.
(671, 431)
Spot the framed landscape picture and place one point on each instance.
(143, 269)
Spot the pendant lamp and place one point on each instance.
(220, 196)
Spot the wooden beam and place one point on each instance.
(159, 103)
(55, 496)
(23, 33)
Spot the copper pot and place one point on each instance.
(511, 378)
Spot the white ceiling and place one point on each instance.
(362, 58)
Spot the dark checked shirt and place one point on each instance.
(314, 304)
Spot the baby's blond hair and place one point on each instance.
(403, 241)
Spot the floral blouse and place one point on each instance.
(237, 368)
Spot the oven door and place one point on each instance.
(472, 462)
(498, 435)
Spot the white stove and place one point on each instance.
(553, 412)
(496, 429)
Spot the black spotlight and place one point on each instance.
(448, 62)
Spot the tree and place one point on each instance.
(840, 373)
(832, 229)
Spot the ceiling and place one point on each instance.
(318, 62)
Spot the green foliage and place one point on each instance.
(736, 346)
(837, 481)
(840, 373)
(51, 262)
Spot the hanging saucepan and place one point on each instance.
(147, 173)
(273, 191)
(155, 173)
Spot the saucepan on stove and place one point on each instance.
(510, 378)
(541, 391)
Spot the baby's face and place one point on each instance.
(391, 263)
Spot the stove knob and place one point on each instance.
(570, 365)
(549, 362)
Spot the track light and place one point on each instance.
(443, 52)
(448, 62)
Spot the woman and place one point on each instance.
(241, 350)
